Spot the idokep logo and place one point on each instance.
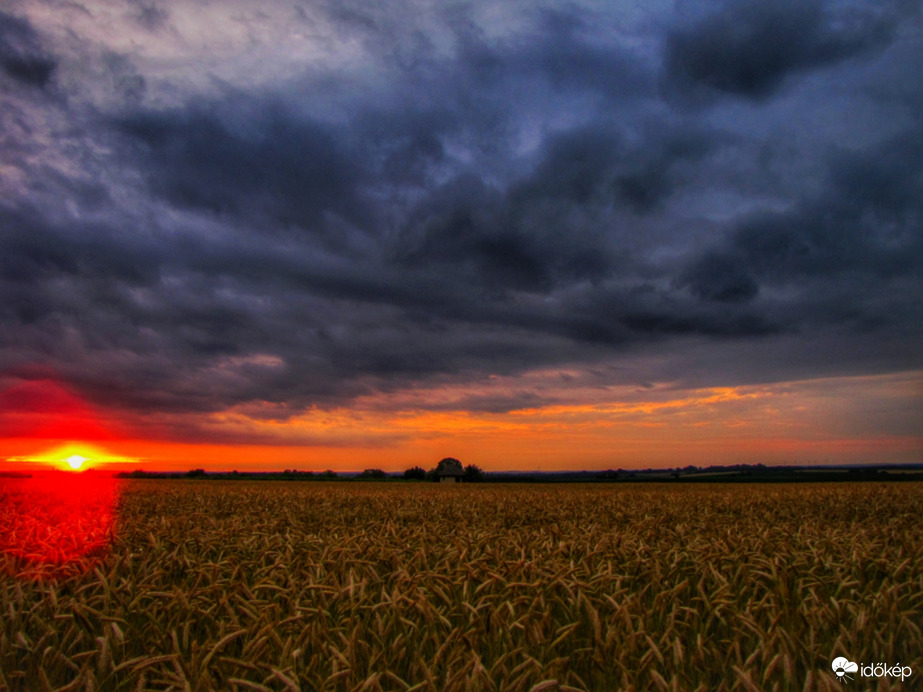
(843, 666)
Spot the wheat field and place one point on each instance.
(399, 586)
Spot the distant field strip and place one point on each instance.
(391, 586)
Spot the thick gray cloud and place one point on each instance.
(21, 54)
(433, 196)
(749, 49)
(267, 167)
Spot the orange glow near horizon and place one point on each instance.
(73, 457)
(584, 426)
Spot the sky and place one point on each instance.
(555, 235)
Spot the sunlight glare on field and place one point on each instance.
(57, 525)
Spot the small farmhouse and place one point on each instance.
(450, 470)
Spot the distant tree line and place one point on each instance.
(473, 474)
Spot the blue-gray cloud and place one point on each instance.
(748, 49)
(21, 54)
(458, 201)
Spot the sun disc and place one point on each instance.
(75, 461)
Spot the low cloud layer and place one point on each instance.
(205, 208)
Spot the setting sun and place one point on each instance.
(75, 456)
(75, 461)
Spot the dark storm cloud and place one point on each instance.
(748, 49)
(558, 53)
(37, 252)
(473, 233)
(595, 166)
(849, 256)
(720, 278)
(152, 17)
(21, 54)
(465, 204)
(866, 220)
(545, 231)
(267, 166)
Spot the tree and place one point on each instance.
(415, 474)
(473, 474)
(450, 465)
(373, 474)
(328, 475)
(196, 473)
